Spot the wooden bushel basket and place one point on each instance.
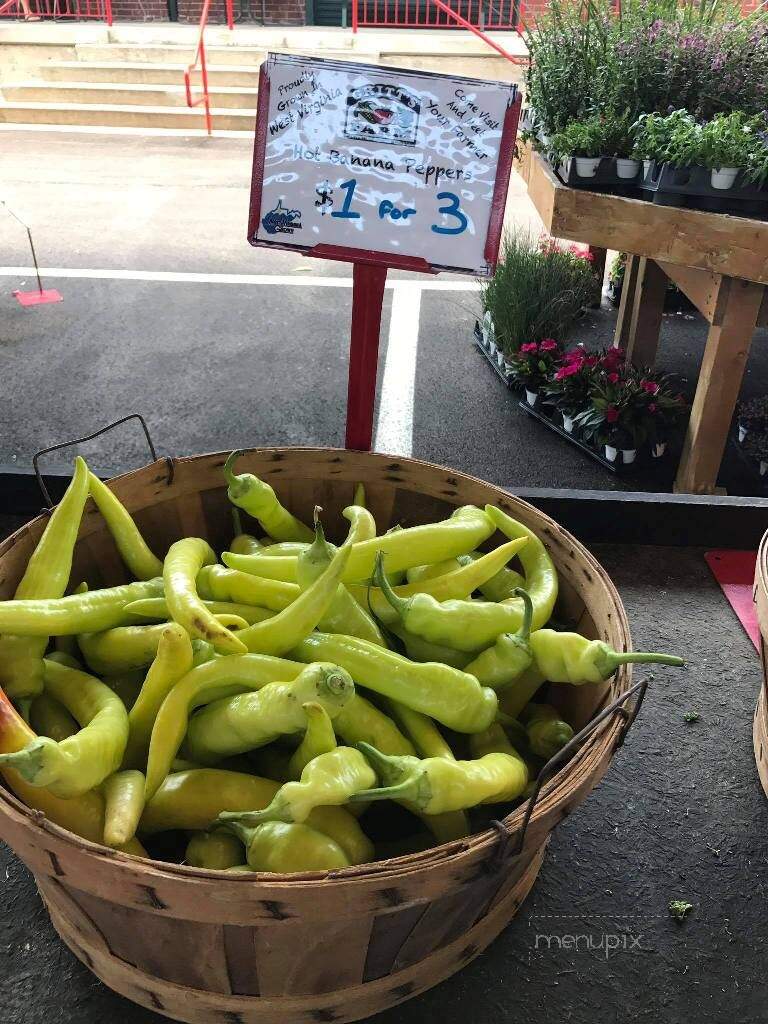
(204, 946)
(760, 724)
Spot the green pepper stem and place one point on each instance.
(237, 522)
(229, 476)
(28, 761)
(250, 819)
(238, 828)
(524, 633)
(385, 765)
(400, 604)
(405, 790)
(644, 658)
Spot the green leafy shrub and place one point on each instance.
(537, 292)
(597, 135)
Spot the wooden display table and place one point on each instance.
(719, 262)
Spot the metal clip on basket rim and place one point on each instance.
(89, 437)
(616, 706)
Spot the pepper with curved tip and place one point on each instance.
(286, 629)
(156, 608)
(572, 658)
(48, 717)
(79, 762)
(449, 695)
(510, 656)
(91, 611)
(462, 532)
(540, 573)
(124, 802)
(216, 851)
(223, 677)
(318, 739)
(184, 560)
(344, 614)
(46, 577)
(122, 649)
(259, 500)
(191, 800)
(466, 625)
(247, 721)
(172, 662)
(362, 525)
(281, 848)
(327, 781)
(437, 785)
(456, 585)
(546, 729)
(499, 587)
(133, 549)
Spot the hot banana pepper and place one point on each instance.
(455, 585)
(80, 762)
(194, 799)
(546, 730)
(172, 662)
(128, 539)
(184, 560)
(216, 851)
(247, 721)
(156, 608)
(318, 739)
(281, 848)
(572, 658)
(466, 528)
(46, 576)
(124, 802)
(540, 573)
(92, 611)
(259, 500)
(329, 780)
(286, 629)
(510, 656)
(449, 695)
(344, 614)
(436, 785)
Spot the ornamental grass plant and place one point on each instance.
(538, 291)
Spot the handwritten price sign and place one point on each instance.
(397, 165)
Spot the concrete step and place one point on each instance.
(143, 73)
(124, 94)
(162, 53)
(137, 116)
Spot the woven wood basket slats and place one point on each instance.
(202, 946)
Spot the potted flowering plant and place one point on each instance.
(571, 385)
(533, 364)
(664, 409)
(654, 135)
(585, 141)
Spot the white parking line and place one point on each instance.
(180, 277)
(394, 427)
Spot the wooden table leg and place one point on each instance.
(638, 329)
(599, 257)
(735, 317)
(628, 289)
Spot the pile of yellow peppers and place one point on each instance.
(266, 710)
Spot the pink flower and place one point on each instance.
(529, 346)
(567, 371)
(649, 386)
(614, 378)
(548, 345)
(591, 361)
(652, 407)
(611, 414)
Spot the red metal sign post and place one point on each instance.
(368, 281)
(300, 217)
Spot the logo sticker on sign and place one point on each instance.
(410, 168)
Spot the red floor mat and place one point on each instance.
(735, 572)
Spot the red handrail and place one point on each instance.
(401, 14)
(205, 98)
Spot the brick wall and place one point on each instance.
(277, 12)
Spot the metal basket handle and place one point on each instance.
(615, 707)
(89, 437)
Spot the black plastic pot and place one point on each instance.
(669, 185)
